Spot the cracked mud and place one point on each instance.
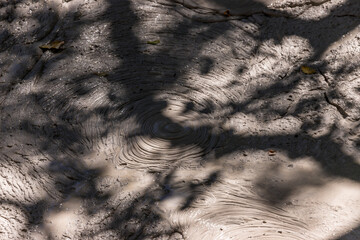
(169, 119)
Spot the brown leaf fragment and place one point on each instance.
(272, 152)
(101, 74)
(308, 70)
(53, 45)
(227, 13)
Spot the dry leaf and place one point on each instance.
(272, 152)
(153, 42)
(308, 70)
(101, 74)
(53, 45)
(227, 13)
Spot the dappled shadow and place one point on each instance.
(354, 234)
(143, 109)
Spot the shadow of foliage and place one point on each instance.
(49, 119)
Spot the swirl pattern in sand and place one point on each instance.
(230, 211)
(167, 131)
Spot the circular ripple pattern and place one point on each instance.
(169, 130)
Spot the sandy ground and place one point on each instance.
(171, 119)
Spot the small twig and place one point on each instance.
(338, 107)
(325, 78)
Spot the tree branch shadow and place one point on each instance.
(65, 136)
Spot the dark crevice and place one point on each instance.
(337, 106)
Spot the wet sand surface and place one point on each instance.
(171, 119)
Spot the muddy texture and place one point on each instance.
(169, 119)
